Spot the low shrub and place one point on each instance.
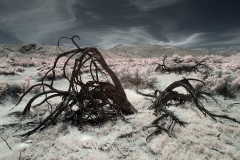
(226, 90)
(11, 92)
(7, 71)
(136, 80)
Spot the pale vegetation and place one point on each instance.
(79, 105)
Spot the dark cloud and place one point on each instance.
(106, 23)
(34, 20)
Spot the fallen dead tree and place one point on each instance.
(181, 68)
(91, 102)
(167, 119)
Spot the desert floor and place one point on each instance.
(201, 138)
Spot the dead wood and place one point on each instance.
(183, 68)
(167, 119)
(95, 101)
(6, 143)
(231, 105)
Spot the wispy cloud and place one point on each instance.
(185, 40)
(39, 19)
(144, 5)
(229, 39)
(111, 37)
(211, 40)
(107, 23)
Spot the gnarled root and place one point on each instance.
(95, 101)
(166, 119)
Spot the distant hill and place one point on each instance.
(18, 49)
(148, 50)
(119, 51)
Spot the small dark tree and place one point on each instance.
(97, 101)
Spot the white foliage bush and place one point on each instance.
(202, 138)
(136, 77)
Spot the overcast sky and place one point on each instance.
(197, 24)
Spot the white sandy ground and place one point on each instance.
(202, 138)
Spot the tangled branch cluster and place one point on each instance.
(179, 69)
(92, 102)
(166, 119)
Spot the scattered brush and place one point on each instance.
(91, 102)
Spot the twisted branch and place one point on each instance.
(96, 101)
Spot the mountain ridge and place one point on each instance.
(119, 51)
(154, 50)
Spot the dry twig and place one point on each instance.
(7, 143)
